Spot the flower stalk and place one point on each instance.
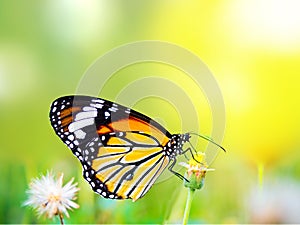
(61, 219)
(260, 172)
(195, 174)
(188, 206)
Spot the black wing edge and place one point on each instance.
(78, 100)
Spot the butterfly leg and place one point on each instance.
(170, 168)
(190, 150)
(186, 157)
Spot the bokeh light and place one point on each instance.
(268, 24)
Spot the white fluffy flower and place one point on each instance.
(48, 195)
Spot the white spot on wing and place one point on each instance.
(80, 124)
(85, 115)
(79, 134)
(71, 137)
(87, 108)
(97, 105)
(113, 109)
(98, 100)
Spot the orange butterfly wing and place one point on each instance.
(121, 150)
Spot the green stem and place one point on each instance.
(61, 218)
(188, 206)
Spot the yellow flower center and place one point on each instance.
(198, 160)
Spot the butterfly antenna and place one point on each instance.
(208, 139)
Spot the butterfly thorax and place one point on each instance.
(175, 145)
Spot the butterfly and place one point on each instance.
(122, 151)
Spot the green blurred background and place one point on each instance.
(253, 49)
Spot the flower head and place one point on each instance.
(48, 196)
(196, 170)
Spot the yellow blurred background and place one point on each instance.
(251, 47)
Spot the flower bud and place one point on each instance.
(196, 170)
